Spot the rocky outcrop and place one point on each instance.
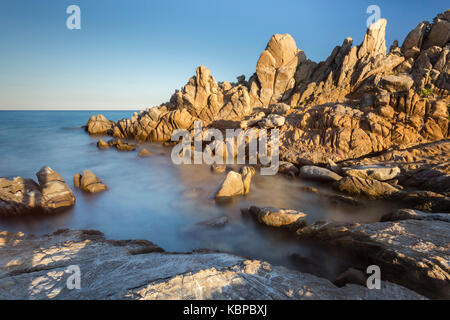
(277, 218)
(38, 268)
(373, 172)
(88, 182)
(119, 144)
(410, 214)
(413, 253)
(20, 196)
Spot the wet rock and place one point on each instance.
(55, 191)
(340, 199)
(247, 174)
(89, 182)
(379, 173)
(139, 269)
(278, 218)
(318, 174)
(410, 214)
(98, 125)
(121, 145)
(413, 253)
(373, 189)
(351, 275)
(144, 153)
(19, 196)
(424, 200)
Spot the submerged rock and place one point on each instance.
(139, 269)
(89, 182)
(279, 218)
(413, 253)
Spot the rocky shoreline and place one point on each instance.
(369, 123)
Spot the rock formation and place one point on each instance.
(88, 182)
(21, 196)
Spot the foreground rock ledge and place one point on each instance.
(35, 268)
(413, 253)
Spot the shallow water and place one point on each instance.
(150, 198)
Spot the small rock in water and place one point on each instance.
(101, 144)
(216, 222)
(218, 168)
(88, 182)
(144, 152)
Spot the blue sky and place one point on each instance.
(134, 54)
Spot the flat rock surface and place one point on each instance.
(36, 268)
(413, 253)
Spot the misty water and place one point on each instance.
(151, 198)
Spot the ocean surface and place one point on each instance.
(151, 198)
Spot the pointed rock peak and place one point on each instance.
(282, 48)
(374, 41)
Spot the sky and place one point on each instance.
(133, 54)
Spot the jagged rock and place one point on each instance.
(139, 269)
(415, 38)
(278, 218)
(374, 42)
(98, 125)
(55, 191)
(373, 172)
(440, 32)
(276, 68)
(144, 152)
(252, 121)
(89, 182)
(412, 253)
(121, 145)
(424, 200)
(410, 214)
(319, 174)
(373, 189)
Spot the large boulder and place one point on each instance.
(55, 191)
(397, 83)
(231, 186)
(140, 270)
(98, 125)
(440, 32)
(413, 253)
(19, 196)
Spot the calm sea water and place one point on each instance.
(150, 198)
